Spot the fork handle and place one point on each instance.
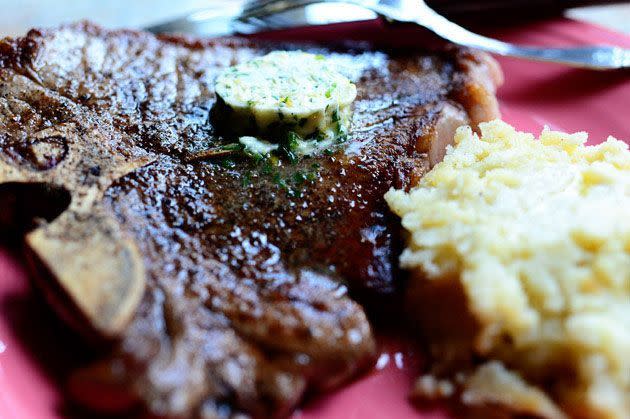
(582, 57)
(461, 7)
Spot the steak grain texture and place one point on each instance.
(222, 286)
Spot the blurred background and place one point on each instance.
(19, 15)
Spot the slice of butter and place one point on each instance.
(285, 91)
(257, 146)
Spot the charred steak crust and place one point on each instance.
(240, 302)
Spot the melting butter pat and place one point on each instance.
(286, 91)
(257, 146)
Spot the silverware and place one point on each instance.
(416, 11)
(222, 17)
(259, 15)
(218, 19)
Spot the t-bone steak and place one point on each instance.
(217, 287)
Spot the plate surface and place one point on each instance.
(35, 349)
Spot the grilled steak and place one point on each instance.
(221, 286)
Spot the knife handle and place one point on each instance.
(543, 7)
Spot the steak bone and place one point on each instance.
(96, 267)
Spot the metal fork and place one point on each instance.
(417, 12)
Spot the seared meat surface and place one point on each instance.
(249, 267)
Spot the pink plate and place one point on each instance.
(35, 349)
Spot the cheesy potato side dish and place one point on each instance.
(519, 252)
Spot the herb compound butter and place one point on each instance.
(257, 146)
(535, 235)
(286, 91)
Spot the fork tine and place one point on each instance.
(268, 7)
(255, 5)
(276, 21)
(257, 22)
